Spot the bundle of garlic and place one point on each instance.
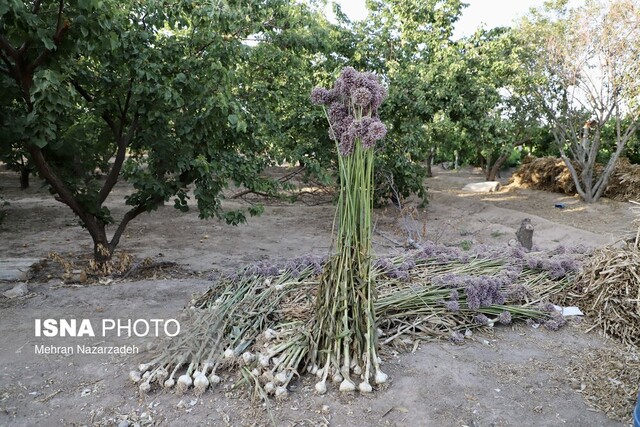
(258, 323)
(223, 324)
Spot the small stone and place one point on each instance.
(123, 423)
(17, 291)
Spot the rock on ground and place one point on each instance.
(482, 187)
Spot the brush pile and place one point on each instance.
(552, 174)
(608, 288)
(255, 326)
(544, 173)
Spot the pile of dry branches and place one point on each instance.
(552, 174)
(544, 173)
(608, 289)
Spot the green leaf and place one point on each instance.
(233, 119)
(256, 210)
(87, 5)
(48, 43)
(39, 142)
(113, 41)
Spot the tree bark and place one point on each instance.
(24, 177)
(102, 250)
(493, 171)
(430, 158)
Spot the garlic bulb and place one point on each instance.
(270, 388)
(347, 386)
(144, 387)
(281, 392)
(381, 377)
(321, 387)
(135, 377)
(264, 360)
(281, 378)
(143, 367)
(214, 379)
(200, 384)
(248, 357)
(161, 375)
(365, 387)
(184, 382)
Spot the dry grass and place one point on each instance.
(608, 380)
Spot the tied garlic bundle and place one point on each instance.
(344, 339)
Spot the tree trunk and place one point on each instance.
(430, 158)
(102, 250)
(493, 170)
(525, 234)
(25, 171)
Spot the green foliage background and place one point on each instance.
(184, 101)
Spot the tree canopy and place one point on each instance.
(183, 101)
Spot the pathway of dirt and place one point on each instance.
(515, 377)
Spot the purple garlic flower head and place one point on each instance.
(320, 96)
(361, 97)
(481, 319)
(353, 104)
(456, 338)
(505, 318)
(453, 306)
(376, 131)
(555, 322)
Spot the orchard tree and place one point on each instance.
(586, 75)
(490, 98)
(103, 90)
(12, 152)
(403, 40)
(287, 59)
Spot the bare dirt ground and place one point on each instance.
(515, 376)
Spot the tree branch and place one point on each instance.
(59, 20)
(86, 95)
(64, 194)
(6, 46)
(112, 178)
(572, 170)
(60, 30)
(89, 98)
(129, 216)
